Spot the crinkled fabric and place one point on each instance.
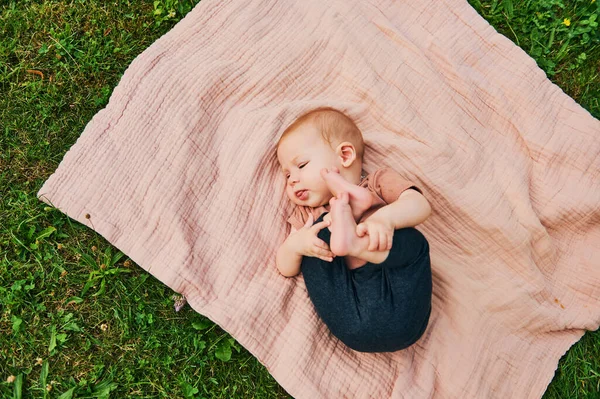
(179, 172)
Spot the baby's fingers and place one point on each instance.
(383, 241)
(309, 220)
(361, 230)
(321, 225)
(324, 254)
(321, 244)
(390, 239)
(374, 239)
(373, 242)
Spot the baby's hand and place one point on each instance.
(380, 231)
(305, 241)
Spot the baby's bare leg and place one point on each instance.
(344, 241)
(359, 198)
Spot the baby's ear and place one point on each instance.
(347, 153)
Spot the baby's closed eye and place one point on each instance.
(287, 175)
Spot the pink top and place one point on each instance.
(385, 184)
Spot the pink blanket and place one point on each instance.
(179, 172)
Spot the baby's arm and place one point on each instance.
(288, 261)
(303, 242)
(410, 209)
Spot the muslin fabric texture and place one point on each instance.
(179, 172)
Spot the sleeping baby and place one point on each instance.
(366, 268)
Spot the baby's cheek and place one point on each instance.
(289, 194)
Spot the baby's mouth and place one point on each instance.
(302, 194)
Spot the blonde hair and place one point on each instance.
(334, 126)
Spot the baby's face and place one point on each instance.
(302, 155)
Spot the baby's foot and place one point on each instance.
(360, 199)
(343, 226)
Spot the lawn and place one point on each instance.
(77, 317)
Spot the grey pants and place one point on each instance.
(378, 307)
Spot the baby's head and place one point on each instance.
(319, 139)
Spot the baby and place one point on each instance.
(368, 274)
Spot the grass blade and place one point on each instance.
(44, 377)
(550, 41)
(116, 258)
(18, 388)
(52, 344)
(68, 394)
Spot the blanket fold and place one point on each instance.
(179, 172)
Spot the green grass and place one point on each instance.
(76, 316)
